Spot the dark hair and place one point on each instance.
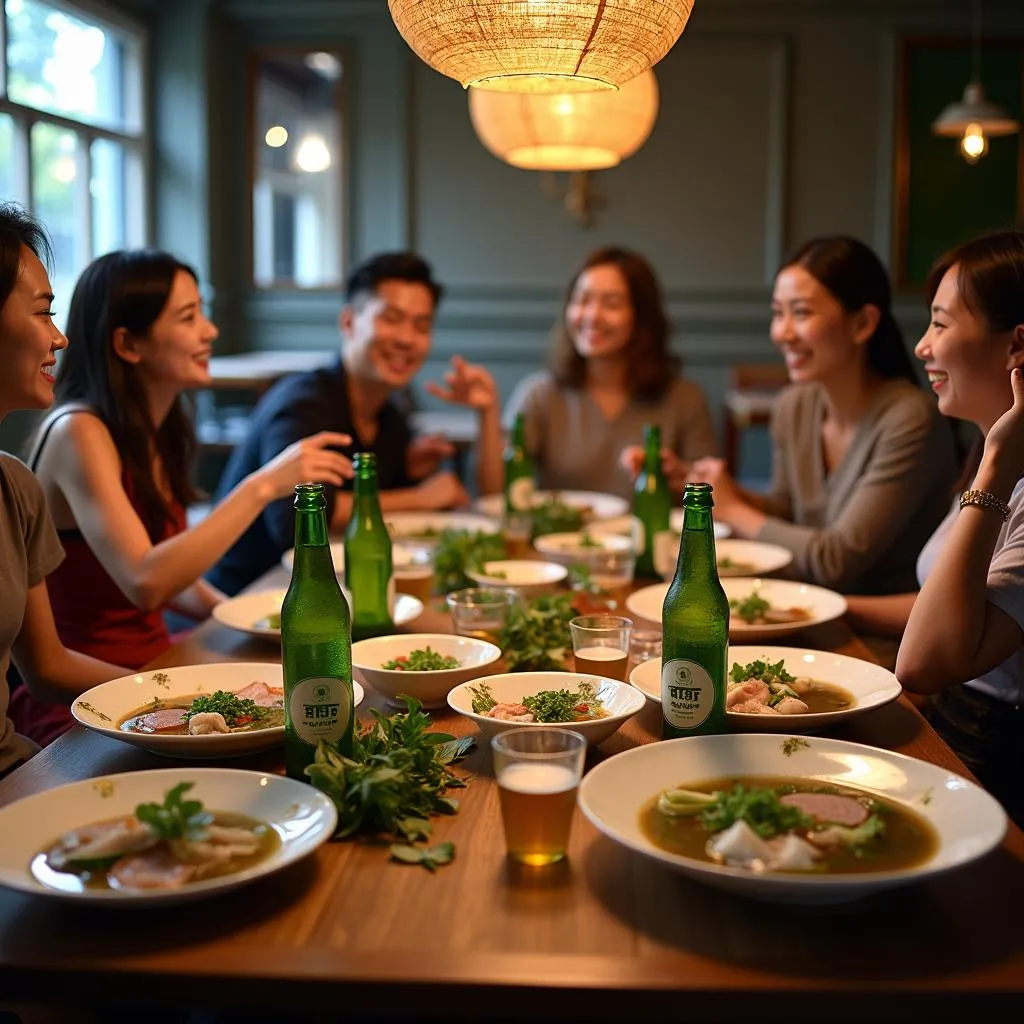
(990, 279)
(651, 365)
(855, 276)
(367, 277)
(128, 289)
(18, 230)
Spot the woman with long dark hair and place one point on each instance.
(29, 548)
(862, 463)
(612, 371)
(115, 456)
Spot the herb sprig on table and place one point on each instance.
(397, 778)
(458, 551)
(536, 636)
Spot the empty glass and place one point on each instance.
(481, 612)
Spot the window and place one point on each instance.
(297, 187)
(72, 144)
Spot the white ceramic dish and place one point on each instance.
(675, 523)
(302, 816)
(630, 526)
(423, 526)
(431, 688)
(597, 506)
(570, 549)
(247, 612)
(526, 577)
(870, 685)
(749, 557)
(104, 706)
(968, 821)
(619, 699)
(822, 606)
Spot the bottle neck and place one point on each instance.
(697, 544)
(311, 529)
(312, 546)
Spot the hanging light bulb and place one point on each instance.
(974, 144)
(974, 118)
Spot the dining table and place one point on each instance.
(606, 934)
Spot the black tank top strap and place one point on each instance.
(48, 424)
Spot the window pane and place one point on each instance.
(107, 189)
(60, 63)
(296, 197)
(11, 161)
(59, 201)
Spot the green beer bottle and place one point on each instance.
(368, 555)
(652, 501)
(695, 628)
(315, 642)
(518, 470)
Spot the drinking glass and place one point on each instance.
(481, 612)
(600, 644)
(414, 570)
(643, 646)
(518, 530)
(538, 773)
(611, 573)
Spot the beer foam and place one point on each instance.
(537, 779)
(600, 653)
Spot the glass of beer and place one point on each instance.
(414, 569)
(600, 644)
(481, 612)
(538, 773)
(518, 530)
(612, 572)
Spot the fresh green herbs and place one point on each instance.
(536, 636)
(760, 808)
(235, 710)
(792, 744)
(751, 608)
(271, 621)
(565, 706)
(430, 857)
(767, 672)
(555, 516)
(397, 778)
(175, 818)
(458, 551)
(586, 541)
(424, 659)
(483, 699)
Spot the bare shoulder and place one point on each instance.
(79, 437)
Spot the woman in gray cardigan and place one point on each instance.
(862, 462)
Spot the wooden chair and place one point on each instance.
(748, 400)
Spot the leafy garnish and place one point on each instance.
(536, 636)
(235, 710)
(563, 706)
(459, 551)
(483, 699)
(791, 745)
(555, 516)
(767, 672)
(424, 659)
(429, 857)
(760, 808)
(175, 818)
(271, 621)
(749, 608)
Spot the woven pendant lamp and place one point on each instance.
(542, 46)
(567, 131)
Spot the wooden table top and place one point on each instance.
(603, 934)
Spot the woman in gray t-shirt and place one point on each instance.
(29, 548)
(613, 372)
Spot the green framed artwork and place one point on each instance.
(941, 199)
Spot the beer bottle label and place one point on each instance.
(520, 493)
(687, 694)
(319, 708)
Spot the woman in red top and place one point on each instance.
(114, 458)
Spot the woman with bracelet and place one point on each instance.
(862, 464)
(965, 631)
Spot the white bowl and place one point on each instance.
(247, 611)
(526, 577)
(968, 821)
(425, 526)
(568, 548)
(675, 523)
(822, 605)
(752, 558)
(302, 816)
(430, 688)
(870, 685)
(104, 706)
(630, 526)
(594, 505)
(619, 699)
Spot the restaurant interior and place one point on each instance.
(274, 145)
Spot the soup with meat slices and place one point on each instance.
(764, 688)
(258, 706)
(771, 823)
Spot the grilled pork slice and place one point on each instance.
(262, 694)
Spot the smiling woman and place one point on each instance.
(114, 458)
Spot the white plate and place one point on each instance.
(568, 548)
(600, 506)
(630, 526)
(302, 816)
(870, 685)
(968, 821)
(752, 557)
(430, 688)
(675, 522)
(246, 611)
(337, 556)
(822, 605)
(412, 525)
(102, 707)
(619, 699)
(527, 577)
